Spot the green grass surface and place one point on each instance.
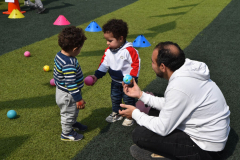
(35, 134)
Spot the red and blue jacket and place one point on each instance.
(119, 63)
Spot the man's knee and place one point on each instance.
(138, 133)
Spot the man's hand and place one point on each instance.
(94, 79)
(134, 91)
(128, 111)
(81, 104)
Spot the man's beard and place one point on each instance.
(160, 74)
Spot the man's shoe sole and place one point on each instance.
(142, 154)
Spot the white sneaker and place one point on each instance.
(113, 117)
(128, 122)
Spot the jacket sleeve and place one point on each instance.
(171, 115)
(134, 61)
(103, 67)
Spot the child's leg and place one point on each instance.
(129, 101)
(116, 96)
(40, 7)
(68, 110)
(39, 3)
(29, 3)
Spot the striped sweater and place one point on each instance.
(68, 75)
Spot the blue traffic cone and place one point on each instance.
(141, 41)
(93, 27)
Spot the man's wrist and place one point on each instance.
(140, 95)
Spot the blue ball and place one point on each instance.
(11, 114)
(127, 79)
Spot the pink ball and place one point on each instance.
(52, 82)
(27, 54)
(88, 81)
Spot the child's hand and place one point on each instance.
(81, 104)
(94, 79)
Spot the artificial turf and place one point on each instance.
(35, 134)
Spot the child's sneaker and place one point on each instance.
(128, 122)
(78, 126)
(72, 136)
(114, 117)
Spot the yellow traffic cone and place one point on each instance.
(16, 14)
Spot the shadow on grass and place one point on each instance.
(171, 14)
(97, 119)
(164, 27)
(10, 144)
(34, 102)
(178, 7)
(157, 29)
(61, 6)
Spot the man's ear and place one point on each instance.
(162, 67)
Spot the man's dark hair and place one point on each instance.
(70, 38)
(118, 28)
(171, 60)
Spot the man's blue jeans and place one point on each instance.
(117, 95)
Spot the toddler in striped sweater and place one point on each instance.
(68, 78)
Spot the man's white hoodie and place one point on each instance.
(192, 103)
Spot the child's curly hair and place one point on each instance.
(117, 27)
(70, 38)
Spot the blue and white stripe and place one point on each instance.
(68, 75)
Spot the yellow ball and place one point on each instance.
(46, 68)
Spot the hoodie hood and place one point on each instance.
(193, 69)
(124, 46)
(127, 44)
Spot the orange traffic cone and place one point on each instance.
(12, 6)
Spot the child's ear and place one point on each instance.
(121, 38)
(74, 49)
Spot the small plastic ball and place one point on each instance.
(46, 68)
(88, 81)
(127, 79)
(11, 114)
(52, 82)
(80, 103)
(27, 54)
